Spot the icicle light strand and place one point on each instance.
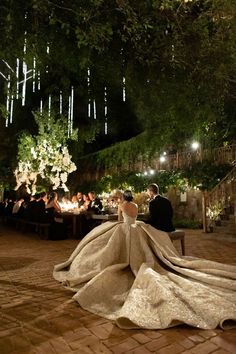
(61, 101)
(17, 77)
(72, 110)
(69, 116)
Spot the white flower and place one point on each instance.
(66, 160)
(65, 187)
(51, 162)
(63, 177)
(33, 152)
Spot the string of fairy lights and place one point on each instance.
(20, 89)
(17, 81)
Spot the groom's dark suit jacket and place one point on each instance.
(161, 213)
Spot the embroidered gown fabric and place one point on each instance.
(131, 273)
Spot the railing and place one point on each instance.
(142, 163)
(222, 196)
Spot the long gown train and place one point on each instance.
(131, 273)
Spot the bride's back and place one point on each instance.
(129, 208)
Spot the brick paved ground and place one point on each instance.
(37, 315)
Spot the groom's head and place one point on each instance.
(152, 190)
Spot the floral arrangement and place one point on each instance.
(44, 156)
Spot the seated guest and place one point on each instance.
(95, 204)
(86, 202)
(17, 206)
(74, 199)
(80, 200)
(95, 207)
(31, 210)
(39, 208)
(57, 228)
(52, 206)
(23, 211)
(9, 207)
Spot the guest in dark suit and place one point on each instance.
(160, 210)
(39, 212)
(94, 207)
(95, 204)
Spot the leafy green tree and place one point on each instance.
(178, 58)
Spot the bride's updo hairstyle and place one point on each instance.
(127, 195)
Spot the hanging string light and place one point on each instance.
(94, 110)
(8, 98)
(105, 109)
(69, 118)
(72, 110)
(24, 68)
(123, 78)
(34, 73)
(61, 102)
(11, 109)
(24, 82)
(49, 105)
(89, 100)
(38, 80)
(9, 67)
(17, 77)
(48, 52)
(41, 106)
(124, 89)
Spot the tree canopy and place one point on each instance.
(177, 58)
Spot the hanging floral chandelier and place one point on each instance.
(44, 157)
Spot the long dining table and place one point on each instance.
(78, 220)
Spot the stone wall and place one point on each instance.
(186, 205)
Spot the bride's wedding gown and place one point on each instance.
(131, 273)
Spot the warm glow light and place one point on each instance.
(195, 145)
(162, 159)
(68, 206)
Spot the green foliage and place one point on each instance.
(178, 58)
(51, 129)
(206, 175)
(203, 176)
(187, 224)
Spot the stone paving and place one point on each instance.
(38, 316)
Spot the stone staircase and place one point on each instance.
(219, 206)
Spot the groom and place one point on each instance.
(160, 210)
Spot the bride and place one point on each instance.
(130, 272)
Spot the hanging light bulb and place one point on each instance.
(38, 80)
(8, 98)
(72, 110)
(25, 43)
(17, 77)
(49, 105)
(105, 110)
(11, 109)
(24, 83)
(69, 117)
(34, 73)
(89, 100)
(41, 106)
(195, 145)
(124, 90)
(94, 110)
(61, 102)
